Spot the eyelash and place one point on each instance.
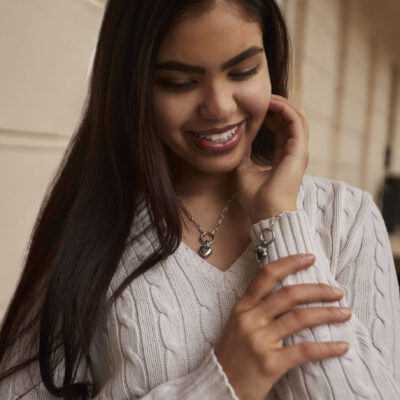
(187, 85)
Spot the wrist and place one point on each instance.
(265, 214)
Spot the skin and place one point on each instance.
(217, 98)
(251, 348)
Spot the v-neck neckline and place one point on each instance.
(203, 274)
(246, 255)
(188, 258)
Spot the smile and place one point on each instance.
(217, 134)
(219, 140)
(222, 137)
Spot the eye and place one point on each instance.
(185, 86)
(245, 74)
(178, 87)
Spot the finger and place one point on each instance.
(269, 275)
(287, 298)
(291, 157)
(283, 129)
(290, 138)
(292, 120)
(296, 320)
(280, 141)
(284, 100)
(292, 356)
(302, 115)
(305, 123)
(275, 123)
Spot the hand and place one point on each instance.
(267, 191)
(251, 350)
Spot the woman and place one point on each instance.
(187, 116)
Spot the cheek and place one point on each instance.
(170, 114)
(255, 100)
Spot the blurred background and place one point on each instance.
(345, 76)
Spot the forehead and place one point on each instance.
(211, 37)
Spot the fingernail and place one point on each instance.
(338, 290)
(343, 346)
(309, 257)
(345, 311)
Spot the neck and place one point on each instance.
(191, 184)
(204, 195)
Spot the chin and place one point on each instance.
(200, 157)
(217, 164)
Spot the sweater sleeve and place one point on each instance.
(207, 381)
(125, 375)
(127, 381)
(27, 384)
(370, 369)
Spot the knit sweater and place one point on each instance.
(156, 341)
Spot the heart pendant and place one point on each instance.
(205, 250)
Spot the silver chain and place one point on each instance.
(207, 238)
(221, 217)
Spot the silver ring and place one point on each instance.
(262, 238)
(204, 241)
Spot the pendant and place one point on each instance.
(205, 250)
(261, 252)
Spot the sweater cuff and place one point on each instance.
(211, 383)
(292, 235)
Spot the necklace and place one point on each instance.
(207, 238)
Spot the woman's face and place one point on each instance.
(212, 88)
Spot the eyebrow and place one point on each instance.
(178, 66)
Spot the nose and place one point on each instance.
(218, 102)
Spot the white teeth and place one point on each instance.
(220, 137)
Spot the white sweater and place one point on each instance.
(157, 340)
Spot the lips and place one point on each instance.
(216, 130)
(218, 140)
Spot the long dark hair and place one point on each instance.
(113, 164)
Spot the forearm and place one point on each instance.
(361, 372)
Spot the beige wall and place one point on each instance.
(347, 79)
(45, 46)
(395, 122)
(343, 80)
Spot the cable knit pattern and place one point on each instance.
(169, 323)
(156, 341)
